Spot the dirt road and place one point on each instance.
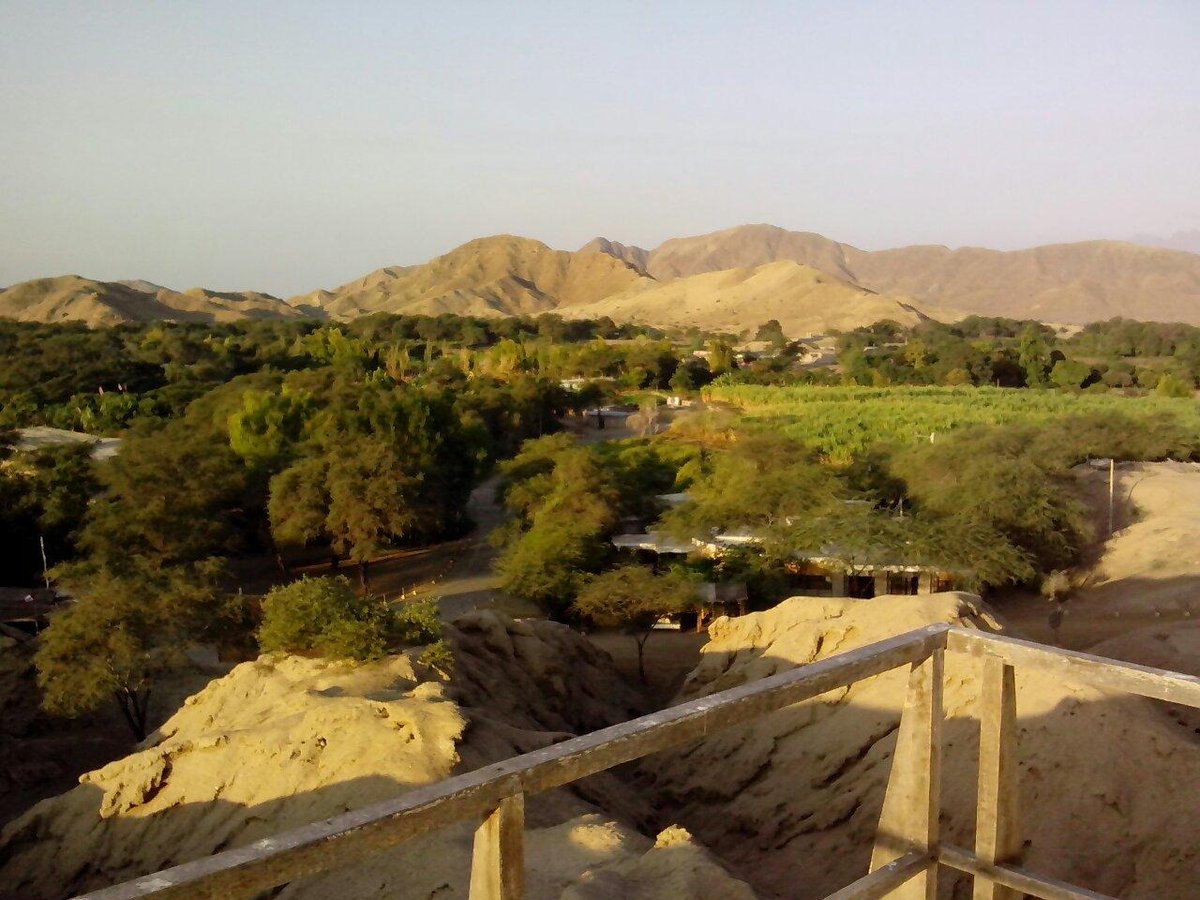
(1148, 572)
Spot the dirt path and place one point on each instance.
(1148, 572)
(460, 572)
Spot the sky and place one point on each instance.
(289, 146)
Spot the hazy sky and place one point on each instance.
(288, 146)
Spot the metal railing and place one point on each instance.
(908, 849)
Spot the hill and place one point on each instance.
(72, 298)
(492, 276)
(804, 300)
(1070, 283)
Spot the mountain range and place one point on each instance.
(730, 280)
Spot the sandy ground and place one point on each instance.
(670, 655)
(791, 800)
(1147, 574)
(284, 741)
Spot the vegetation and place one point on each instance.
(120, 634)
(841, 423)
(634, 598)
(283, 438)
(327, 617)
(568, 500)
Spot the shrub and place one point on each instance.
(323, 616)
(417, 622)
(439, 657)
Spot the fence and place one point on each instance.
(908, 850)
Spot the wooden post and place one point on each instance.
(909, 820)
(997, 828)
(498, 858)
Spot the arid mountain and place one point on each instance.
(1082, 282)
(634, 256)
(749, 245)
(828, 285)
(803, 299)
(493, 276)
(71, 298)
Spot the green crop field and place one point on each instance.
(841, 422)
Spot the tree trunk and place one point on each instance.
(363, 573)
(641, 647)
(133, 711)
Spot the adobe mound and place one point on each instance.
(799, 793)
(284, 741)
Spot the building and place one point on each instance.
(29, 439)
(818, 573)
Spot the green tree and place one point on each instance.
(772, 331)
(720, 357)
(268, 426)
(762, 482)
(634, 598)
(388, 465)
(174, 495)
(565, 501)
(1010, 480)
(1170, 385)
(120, 634)
(916, 354)
(1070, 374)
(1033, 354)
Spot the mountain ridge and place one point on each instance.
(504, 275)
(1075, 282)
(74, 298)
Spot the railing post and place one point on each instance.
(498, 857)
(909, 819)
(997, 827)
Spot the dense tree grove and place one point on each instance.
(306, 440)
(103, 380)
(568, 500)
(258, 437)
(977, 350)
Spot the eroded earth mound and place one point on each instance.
(284, 741)
(799, 792)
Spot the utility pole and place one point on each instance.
(45, 567)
